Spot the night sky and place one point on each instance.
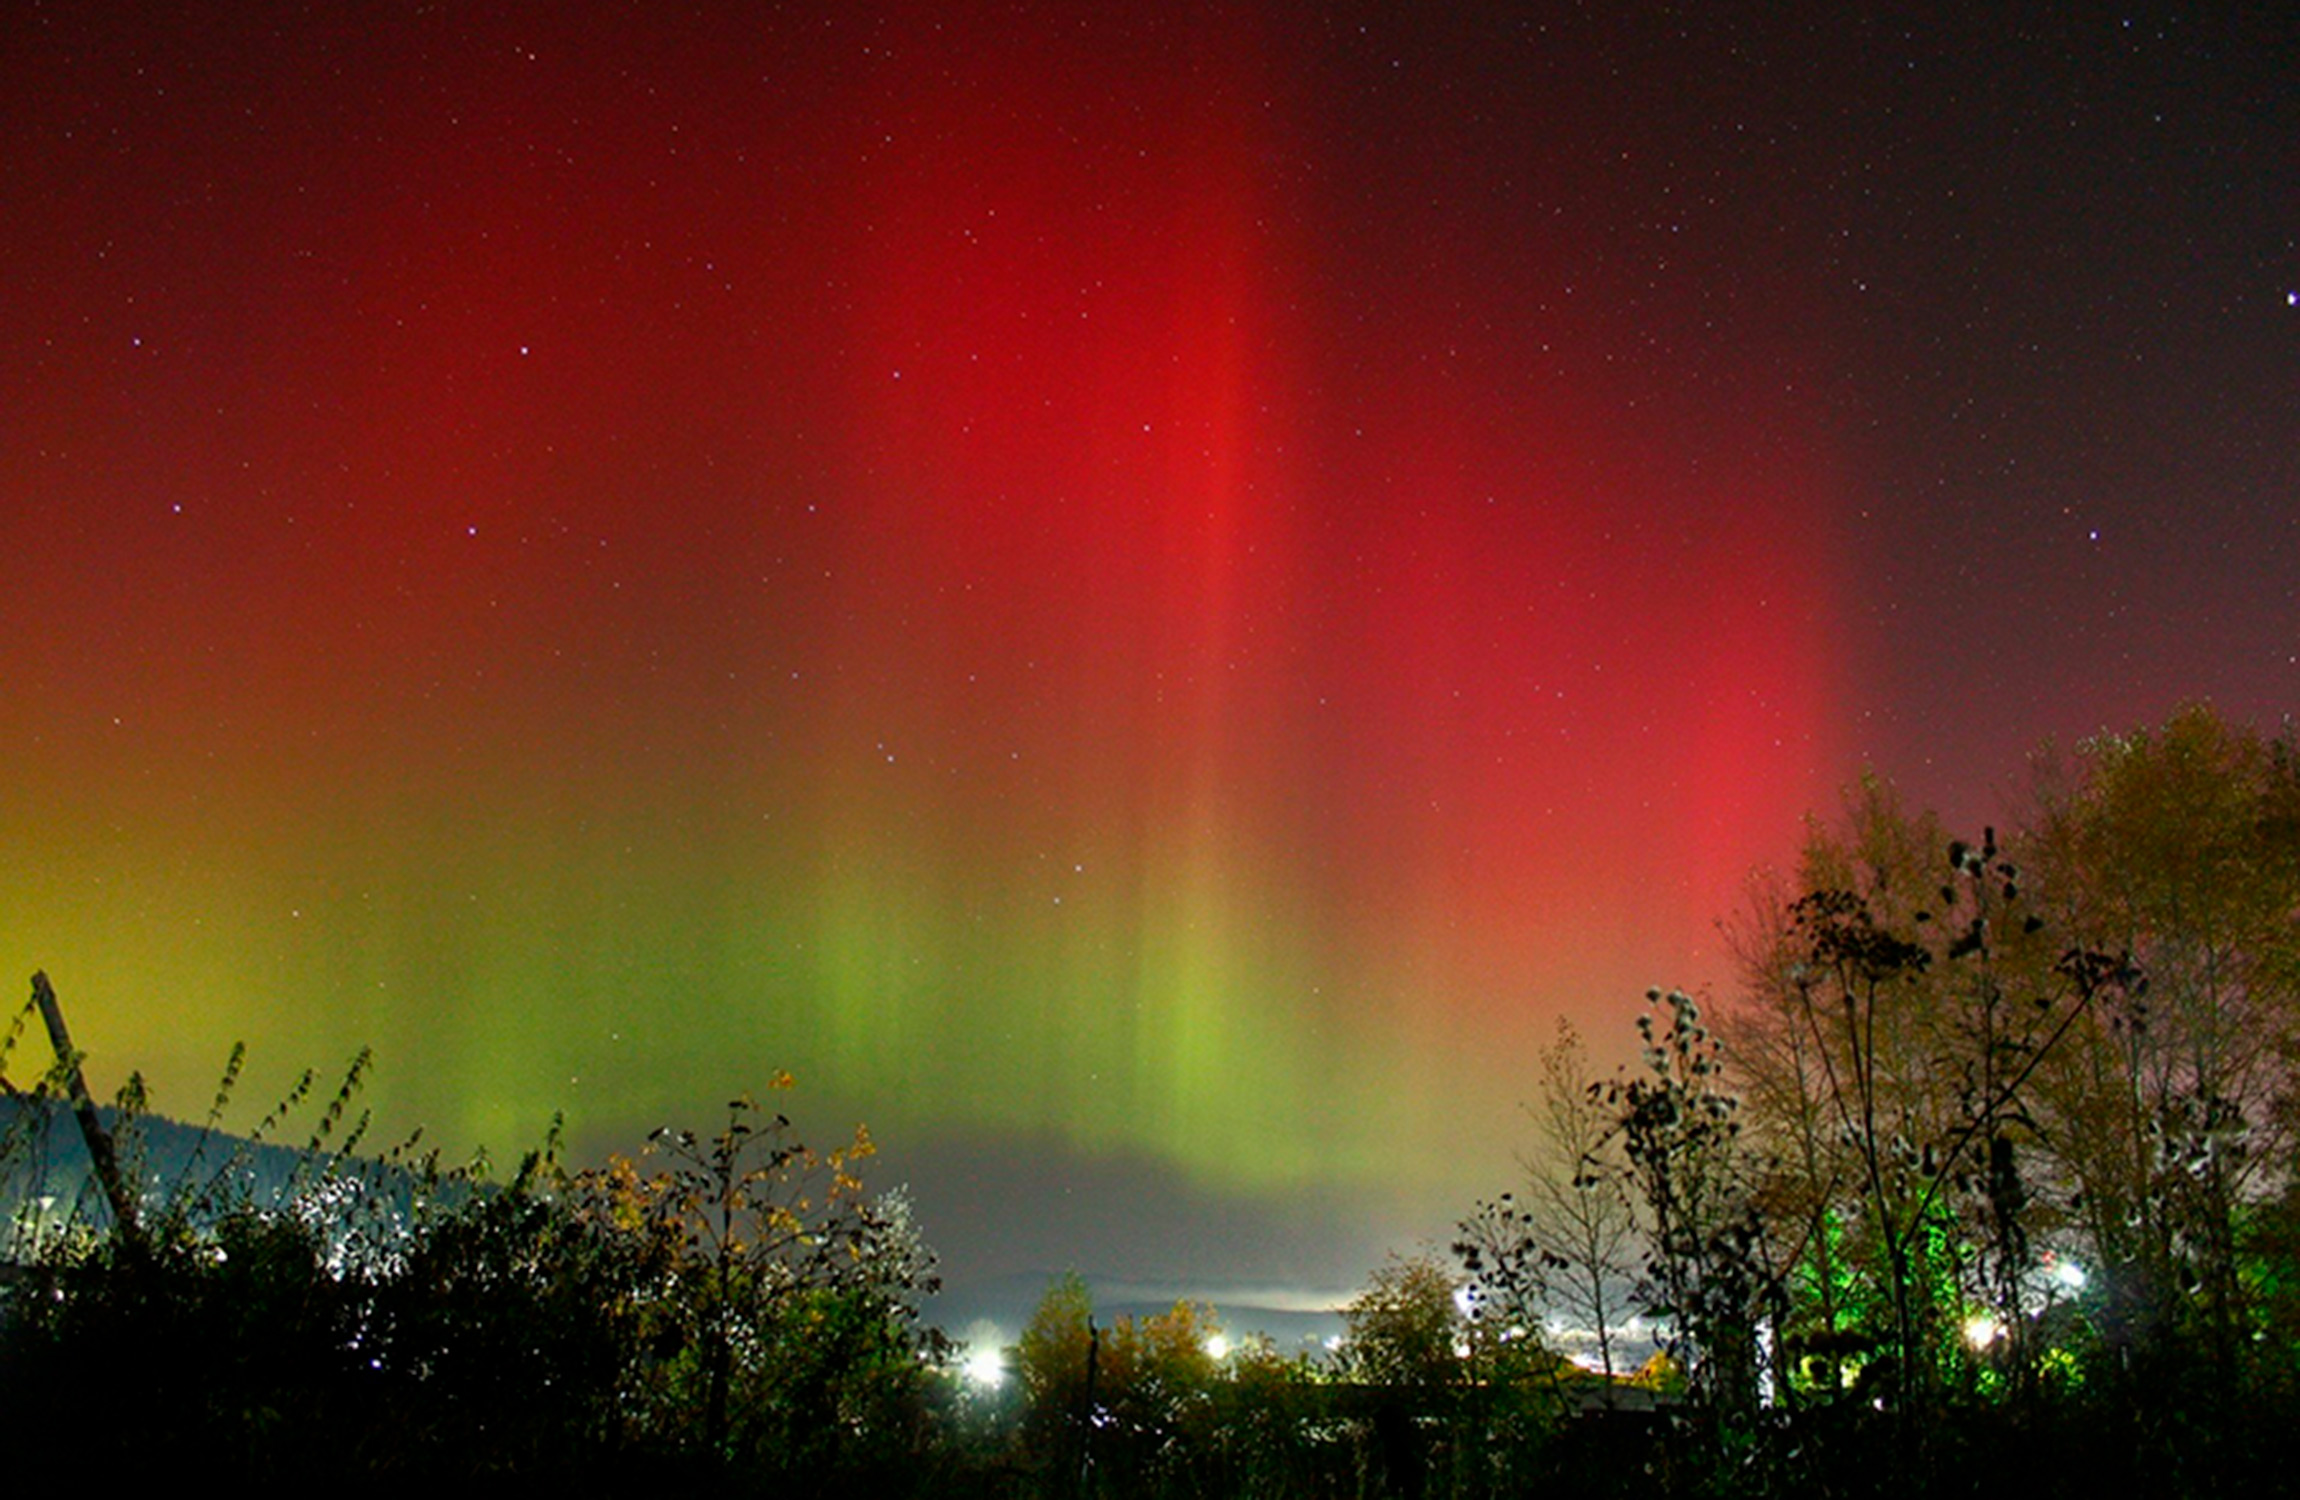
(1141, 599)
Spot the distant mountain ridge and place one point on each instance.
(45, 1168)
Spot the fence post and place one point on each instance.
(100, 1153)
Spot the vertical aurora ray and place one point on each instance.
(1088, 414)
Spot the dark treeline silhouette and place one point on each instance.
(1983, 1180)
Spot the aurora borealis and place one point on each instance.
(1157, 589)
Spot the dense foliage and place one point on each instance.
(735, 1305)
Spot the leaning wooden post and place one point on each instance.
(100, 1153)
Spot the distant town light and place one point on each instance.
(985, 1368)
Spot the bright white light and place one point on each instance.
(986, 1368)
(2069, 1274)
(1983, 1330)
(1217, 1347)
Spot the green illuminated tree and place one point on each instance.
(2178, 846)
(1899, 1009)
(1979, 1071)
